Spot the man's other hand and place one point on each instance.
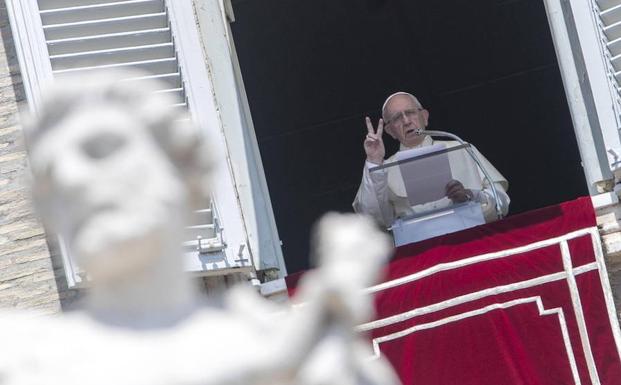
(373, 143)
(456, 192)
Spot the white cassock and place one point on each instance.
(382, 193)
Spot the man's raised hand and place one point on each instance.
(373, 143)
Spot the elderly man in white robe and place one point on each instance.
(382, 193)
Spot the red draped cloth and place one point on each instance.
(525, 300)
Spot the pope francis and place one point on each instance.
(382, 193)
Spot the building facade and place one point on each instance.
(191, 45)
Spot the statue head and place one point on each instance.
(116, 169)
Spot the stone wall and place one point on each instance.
(27, 275)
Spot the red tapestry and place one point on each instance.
(525, 300)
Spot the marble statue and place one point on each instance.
(116, 171)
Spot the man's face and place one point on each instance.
(404, 119)
(108, 188)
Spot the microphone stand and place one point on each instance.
(476, 160)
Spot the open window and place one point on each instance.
(486, 70)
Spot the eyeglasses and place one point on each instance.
(398, 119)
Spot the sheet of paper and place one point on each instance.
(425, 179)
(464, 169)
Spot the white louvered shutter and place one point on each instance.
(607, 14)
(85, 35)
(587, 39)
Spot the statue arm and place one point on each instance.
(331, 302)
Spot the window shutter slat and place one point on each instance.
(45, 5)
(112, 56)
(168, 80)
(105, 26)
(160, 66)
(611, 15)
(613, 31)
(109, 41)
(605, 5)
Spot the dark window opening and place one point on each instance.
(486, 70)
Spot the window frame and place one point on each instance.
(31, 49)
(214, 18)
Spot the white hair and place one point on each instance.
(397, 94)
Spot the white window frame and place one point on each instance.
(31, 49)
(202, 105)
(214, 17)
(36, 72)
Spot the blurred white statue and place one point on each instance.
(116, 172)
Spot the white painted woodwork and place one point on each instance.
(80, 36)
(592, 92)
(235, 119)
